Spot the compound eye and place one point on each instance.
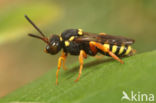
(54, 44)
(52, 49)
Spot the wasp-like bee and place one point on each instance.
(78, 42)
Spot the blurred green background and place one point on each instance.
(22, 58)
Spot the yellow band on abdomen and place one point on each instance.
(121, 49)
(128, 50)
(114, 48)
(107, 46)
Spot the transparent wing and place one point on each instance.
(118, 40)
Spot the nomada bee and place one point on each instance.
(78, 42)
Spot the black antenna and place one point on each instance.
(35, 36)
(34, 25)
(42, 38)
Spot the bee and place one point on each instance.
(81, 43)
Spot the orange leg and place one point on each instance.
(93, 48)
(133, 51)
(98, 56)
(64, 60)
(61, 58)
(101, 47)
(102, 34)
(81, 56)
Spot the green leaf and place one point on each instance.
(102, 80)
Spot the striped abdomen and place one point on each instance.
(119, 50)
